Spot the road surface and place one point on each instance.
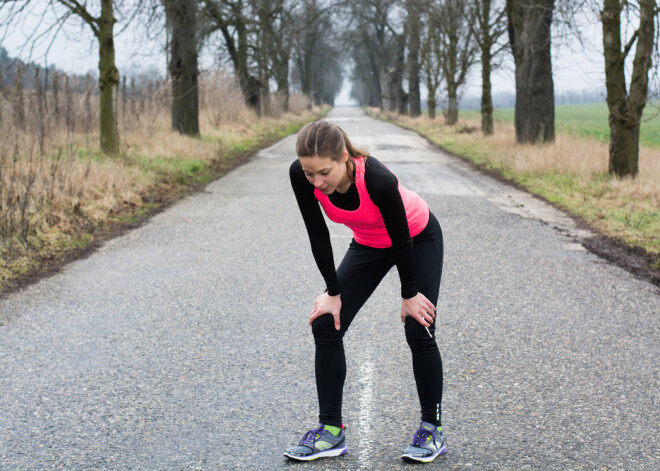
(184, 344)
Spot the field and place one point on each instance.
(588, 120)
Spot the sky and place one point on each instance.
(74, 50)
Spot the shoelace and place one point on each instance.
(421, 436)
(310, 436)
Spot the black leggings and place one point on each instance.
(359, 273)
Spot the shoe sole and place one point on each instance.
(426, 459)
(332, 452)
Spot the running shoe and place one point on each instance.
(428, 443)
(318, 443)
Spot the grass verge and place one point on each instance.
(116, 194)
(571, 173)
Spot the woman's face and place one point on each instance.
(326, 174)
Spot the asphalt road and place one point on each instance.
(184, 344)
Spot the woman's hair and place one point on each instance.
(325, 140)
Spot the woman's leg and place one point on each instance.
(359, 273)
(427, 363)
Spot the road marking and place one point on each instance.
(365, 402)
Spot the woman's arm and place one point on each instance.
(317, 230)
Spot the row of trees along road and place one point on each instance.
(393, 47)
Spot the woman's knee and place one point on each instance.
(418, 337)
(324, 330)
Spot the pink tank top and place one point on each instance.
(366, 222)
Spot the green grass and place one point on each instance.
(588, 120)
(599, 199)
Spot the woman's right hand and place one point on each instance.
(326, 304)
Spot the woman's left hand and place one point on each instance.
(419, 308)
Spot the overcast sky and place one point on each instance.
(74, 50)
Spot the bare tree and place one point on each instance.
(530, 39)
(431, 61)
(182, 18)
(366, 84)
(490, 26)
(315, 18)
(271, 33)
(280, 41)
(413, 32)
(458, 48)
(626, 103)
(372, 30)
(101, 21)
(234, 20)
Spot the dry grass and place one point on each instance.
(571, 172)
(57, 189)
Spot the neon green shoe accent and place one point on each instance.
(322, 445)
(333, 430)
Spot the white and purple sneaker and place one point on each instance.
(428, 443)
(318, 443)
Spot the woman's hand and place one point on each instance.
(326, 304)
(419, 308)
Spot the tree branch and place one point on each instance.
(82, 12)
(626, 50)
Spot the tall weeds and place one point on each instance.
(53, 178)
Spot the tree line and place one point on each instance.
(394, 48)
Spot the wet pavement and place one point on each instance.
(184, 344)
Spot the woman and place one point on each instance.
(391, 226)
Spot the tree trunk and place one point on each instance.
(451, 117)
(41, 111)
(57, 112)
(2, 92)
(414, 31)
(431, 105)
(18, 106)
(183, 67)
(624, 147)
(529, 35)
(283, 79)
(397, 91)
(625, 109)
(108, 80)
(283, 93)
(486, 95)
(430, 101)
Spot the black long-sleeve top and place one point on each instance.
(382, 187)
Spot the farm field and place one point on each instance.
(587, 120)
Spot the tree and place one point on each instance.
(626, 104)
(313, 15)
(489, 28)
(431, 61)
(317, 59)
(366, 85)
(102, 26)
(397, 98)
(372, 31)
(233, 19)
(281, 42)
(181, 15)
(458, 48)
(413, 32)
(530, 37)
